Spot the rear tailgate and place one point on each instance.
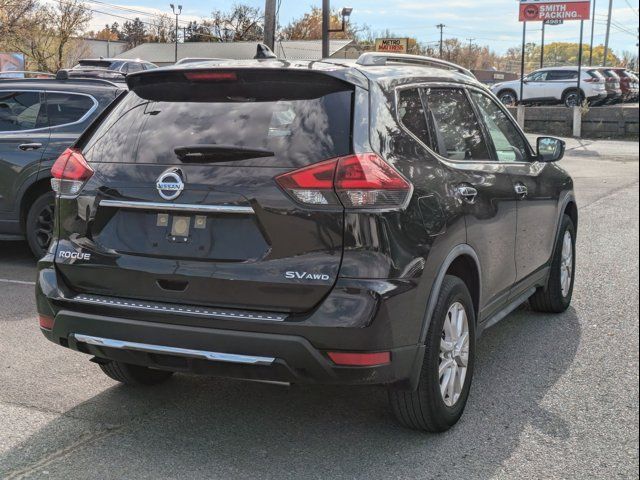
(183, 206)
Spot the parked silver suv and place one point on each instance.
(554, 85)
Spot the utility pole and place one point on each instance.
(606, 40)
(173, 9)
(470, 51)
(270, 24)
(542, 46)
(441, 27)
(593, 24)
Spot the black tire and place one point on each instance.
(550, 298)
(134, 374)
(570, 97)
(425, 409)
(39, 224)
(508, 97)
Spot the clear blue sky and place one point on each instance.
(488, 22)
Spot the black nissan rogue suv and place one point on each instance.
(307, 222)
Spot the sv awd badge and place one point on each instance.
(306, 276)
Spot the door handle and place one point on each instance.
(521, 190)
(29, 146)
(468, 193)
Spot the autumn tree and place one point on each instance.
(162, 29)
(133, 32)
(200, 32)
(14, 16)
(49, 38)
(242, 23)
(309, 27)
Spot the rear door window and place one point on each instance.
(562, 75)
(65, 108)
(412, 114)
(22, 111)
(458, 131)
(298, 131)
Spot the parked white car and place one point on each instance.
(554, 85)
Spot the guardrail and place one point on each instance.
(596, 122)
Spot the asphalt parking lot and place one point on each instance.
(553, 396)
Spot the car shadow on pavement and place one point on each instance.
(196, 427)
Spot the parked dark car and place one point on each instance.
(613, 86)
(39, 119)
(628, 84)
(306, 222)
(113, 69)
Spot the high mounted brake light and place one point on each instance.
(211, 76)
(362, 180)
(70, 172)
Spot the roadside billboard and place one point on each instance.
(11, 62)
(392, 45)
(553, 10)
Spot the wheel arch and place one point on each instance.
(463, 263)
(30, 195)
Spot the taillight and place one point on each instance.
(70, 172)
(362, 180)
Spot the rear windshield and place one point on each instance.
(98, 64)
(595, 74)
(299, 131)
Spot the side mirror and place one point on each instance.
(550, 149)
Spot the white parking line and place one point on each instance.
(17, 282)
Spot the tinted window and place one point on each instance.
(21, 111)
(509, 144)
(412, 115)
(458, 132)
(562, 75)
(299, 132)
(63, 108)
(537, 77)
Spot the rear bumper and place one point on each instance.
(297, 347)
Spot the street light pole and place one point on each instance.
(326, 25)
(593, 24)
(173, 9)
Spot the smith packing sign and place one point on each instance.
(545, 10)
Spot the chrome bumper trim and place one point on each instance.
(177, 309)
(182, 352)
(177, 207)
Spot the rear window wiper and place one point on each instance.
(219, 153)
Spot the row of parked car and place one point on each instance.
(559, 85)
(40, 117)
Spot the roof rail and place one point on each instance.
(23, 72)
(371, 59)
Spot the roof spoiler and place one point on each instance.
(372, 59)
(264, 53)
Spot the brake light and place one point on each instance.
(357, 181)
(70, 172)
(211, 76)
(354, 359)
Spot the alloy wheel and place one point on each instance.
(508, 99)
(566, 264)
(454, 354)
(44, 227)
